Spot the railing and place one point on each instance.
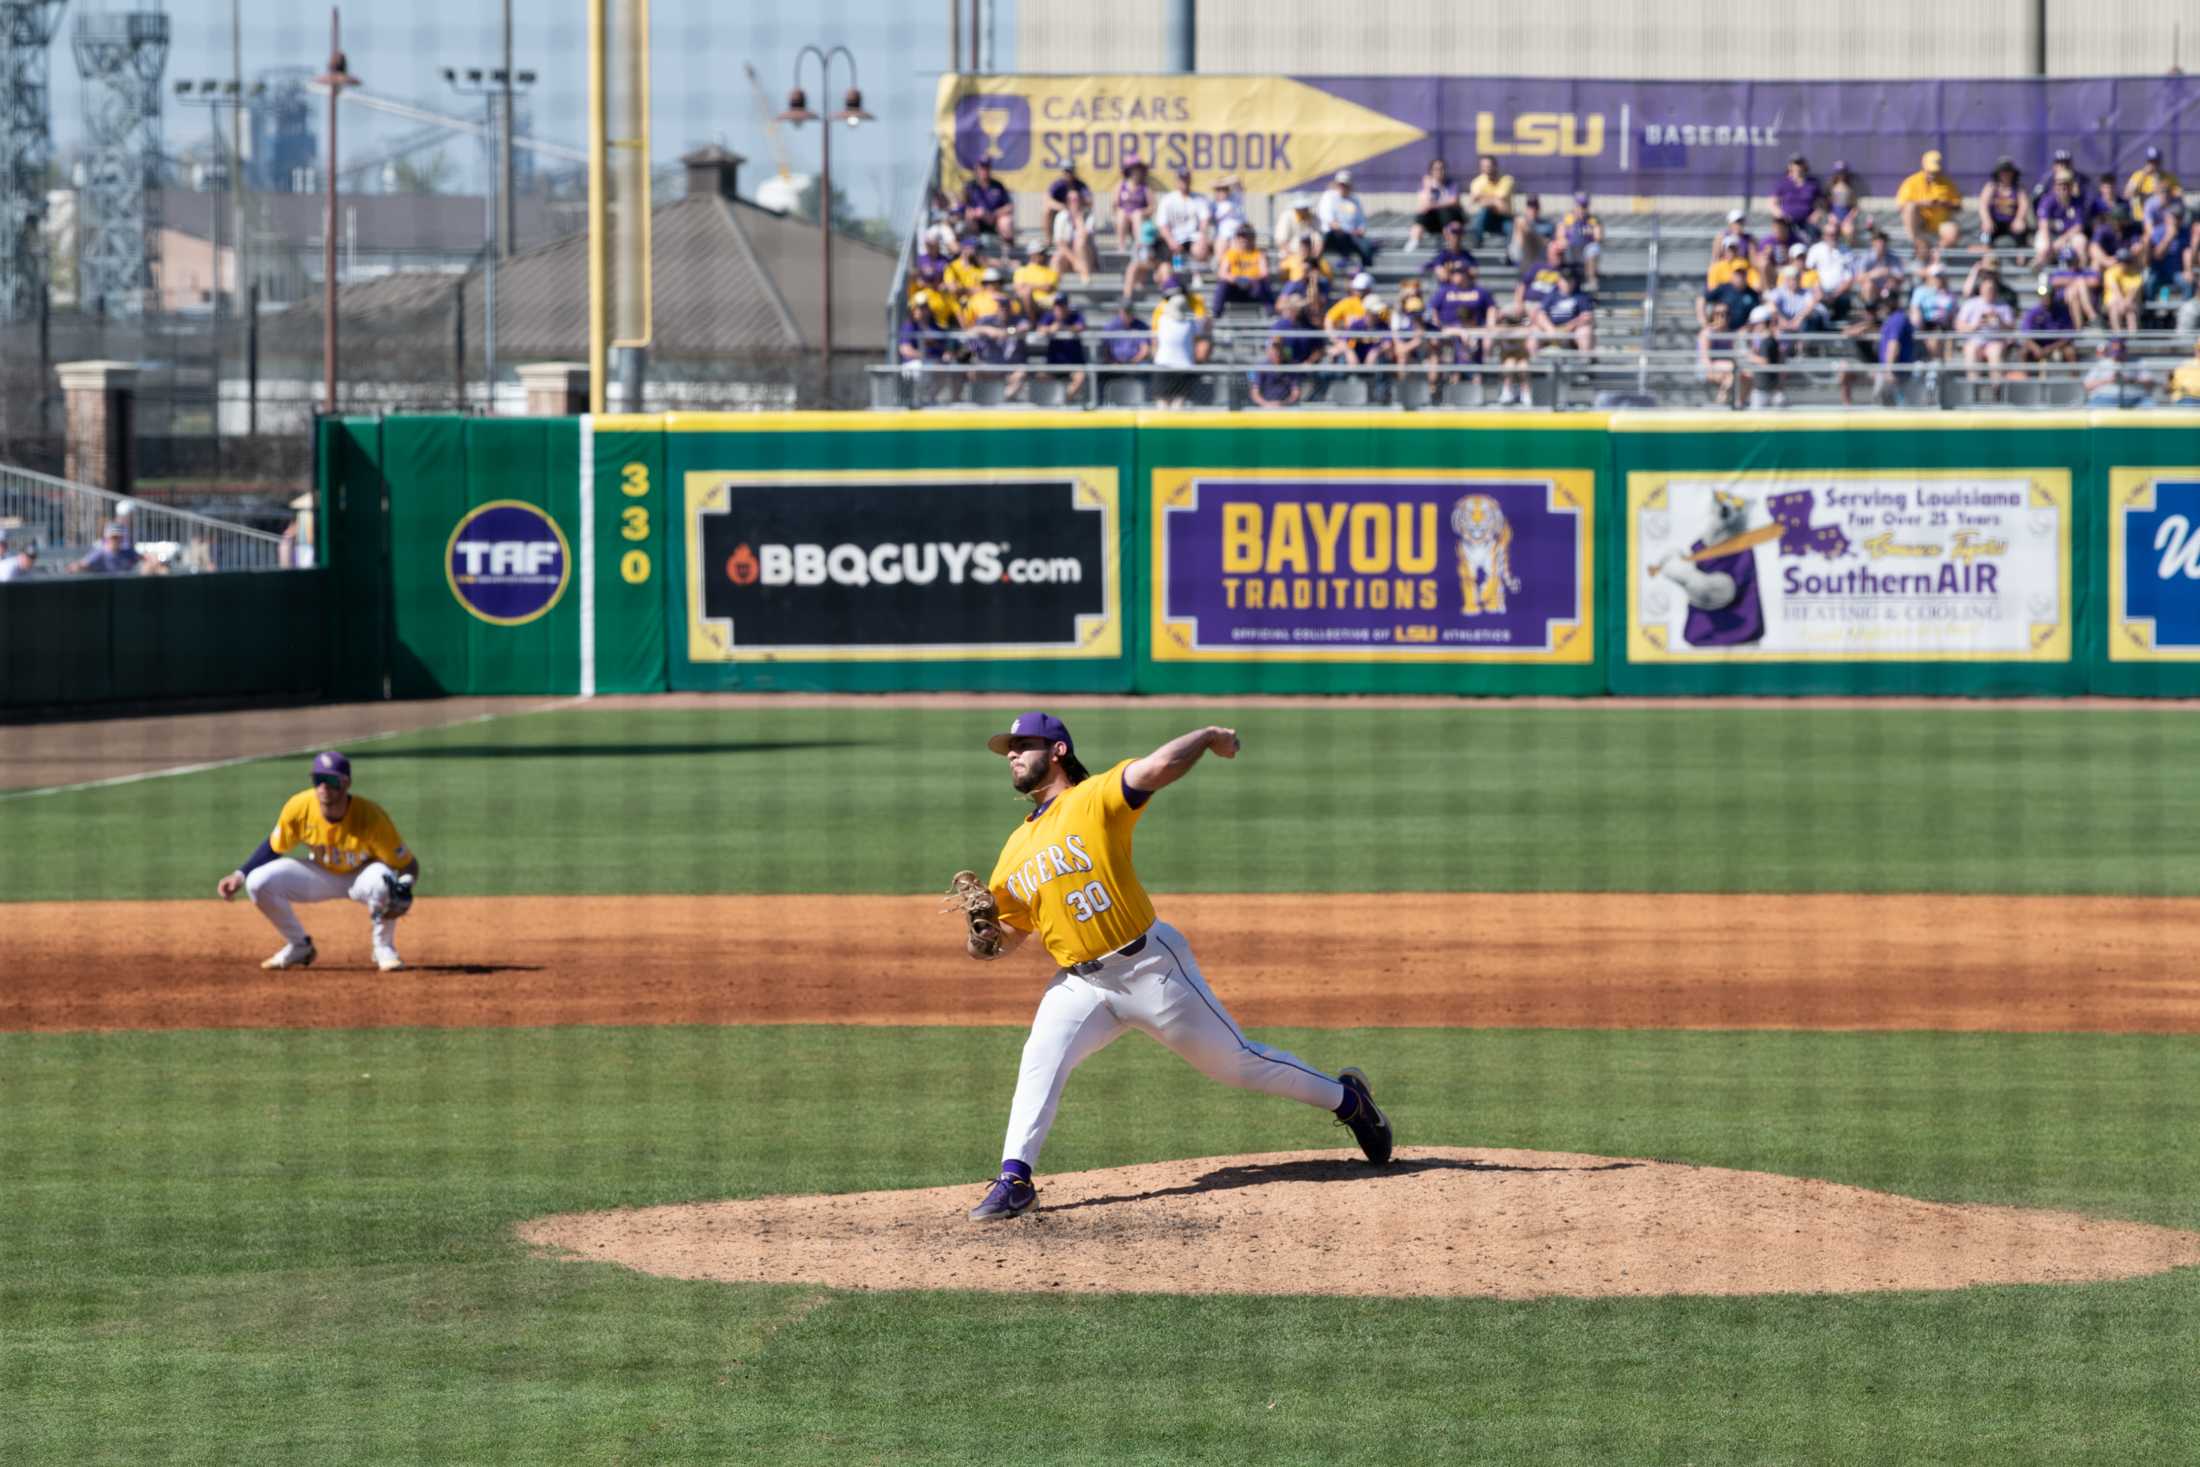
(62, 521)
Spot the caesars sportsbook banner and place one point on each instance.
(1553, 134)
(2154, 565)
(1372, 566)
(909, 566)
(1849, 567)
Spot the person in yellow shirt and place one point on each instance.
(1035, 282)
(1242, 274)
(966, 272)
(350, 849)
(1065, 876)
(1929, 202)
(2123, 291)
(1307, 271)
(2184, 383)
(1732, 263)
(1490, 200)
(2150, 178)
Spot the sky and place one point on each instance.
(699, 91)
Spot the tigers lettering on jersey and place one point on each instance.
(366, 833)
(1066, 876)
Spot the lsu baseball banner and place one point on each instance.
(1788, 566)
(901, 565)
(1372, 565)
(2154, 565)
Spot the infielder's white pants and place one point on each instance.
(1158, 990)
(280, 882)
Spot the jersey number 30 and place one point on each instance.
(1089, 902)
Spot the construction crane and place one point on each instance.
(784, 193)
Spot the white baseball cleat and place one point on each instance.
(388, 961)
(293, 955)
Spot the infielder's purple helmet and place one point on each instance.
(332, 763)
(1032, 726)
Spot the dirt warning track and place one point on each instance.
(1558, 960)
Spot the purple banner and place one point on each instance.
(1720, 138)
(1367, 566)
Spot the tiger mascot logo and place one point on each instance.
(1485, 555)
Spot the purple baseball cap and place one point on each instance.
(1032, 726)
(332, 763)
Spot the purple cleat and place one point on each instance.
(1010, 1195)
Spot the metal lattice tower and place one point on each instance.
(26, 149)
(121, 57)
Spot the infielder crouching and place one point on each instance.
(1066, 875)
(351, 849)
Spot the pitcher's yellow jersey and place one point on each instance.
(1066, 872)
(365, 834)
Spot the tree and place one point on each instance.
(429, 175)
(845, 219)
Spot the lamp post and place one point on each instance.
(489, 85)
(851, 112)
(335, 79)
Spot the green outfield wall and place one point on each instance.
(1966, 554)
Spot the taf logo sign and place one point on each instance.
(508, 562)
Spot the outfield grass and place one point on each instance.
(271, 1247)
(1481, 798)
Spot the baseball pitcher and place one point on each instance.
(1066, 877)
(350, 849)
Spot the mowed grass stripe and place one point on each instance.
(273, 1247)
(1480, 798)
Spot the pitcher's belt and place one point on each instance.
(1129, 949)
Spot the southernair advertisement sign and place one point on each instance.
(1785, 567)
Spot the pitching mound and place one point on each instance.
(1495, 1224)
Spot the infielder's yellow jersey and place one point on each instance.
(1066, 872)
(365, 834)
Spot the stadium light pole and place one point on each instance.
(335, 79)
(474, 81)
(851, 112)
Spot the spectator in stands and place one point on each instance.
(1347, 319)
(2150, 178)
(1799, 198)
(1067, 194)
(1187, 221)
(1298, 339)
(1306, 270)
(1737, 229)
(1412, 332)
(1772, 249)
(2123, 291)
(1133, 203)
(2004, 210)
(988, 207)
(1452, 251)
(1298, 222)
(1860, 345)
(1829, 270)
(1070, 229)
(1539, 286)
(923, 346)
(1985, 265)
(966, 272)
(2166, 244)
(1762, 354)
(1899, 353)
(1844, 203)
(1061, 334)
(1273, 388)
(2044, 333)
(2109, 222)
(1344, 222)
(2113, 382)
(1530, 230)
(1242, 274)
(1795, 306)
(197, 556)
(1732, 283)
(2079, 288)
(2060, 169)
(993, 330)
(1490, 200)
(18, 562)
(113, 556)
(2184, 383)
(1229, 209)
(1985, 322)
(928, 267)
(2061, 221)
(1195, 308)
(1126, 342)
(1175, 338)
(1929, 201)
(1148, 259)
(1435, 205)
(1583, 233)
(1933, 309)
(1715, 353)
(1036, 282)
(1567, 319)
(1461, 308)
(1879, 274)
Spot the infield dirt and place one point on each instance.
(1627, 961)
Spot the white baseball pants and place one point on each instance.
(1158, 990)
(280, 882)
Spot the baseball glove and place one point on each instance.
(397, 895)
(969, 895)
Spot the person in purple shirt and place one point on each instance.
(1898, 348)
(2105, 207)
(2004, 209)
(1452, 251)
(2062, 222)
(112, 556)
(1133, 203)
(1066, 189)
(1128, 341)
(1799, 198)
(1063, 326)
(987, 205)
(1461, 306)
(2042, 335)
(2164, 236)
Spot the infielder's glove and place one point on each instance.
(397, 895)
(969, 895)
